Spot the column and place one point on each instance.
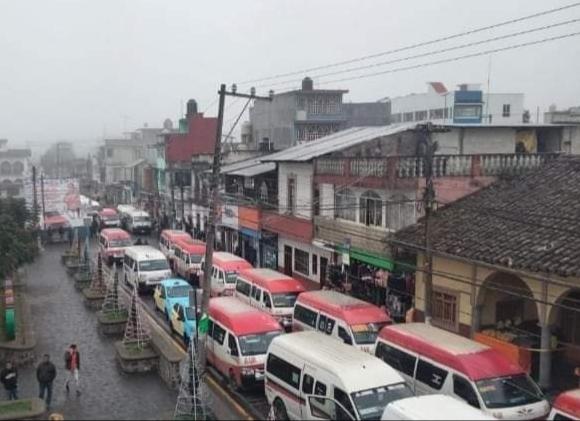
(545, 353)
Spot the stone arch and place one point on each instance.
(565, 317)
(506, 297)
(17, 168)
(5, 168)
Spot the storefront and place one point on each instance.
(227, 228)
(249, 245)
(269, 250)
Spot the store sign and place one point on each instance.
(229, 216)
(62, 196)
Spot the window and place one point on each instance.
(301, 261)
(283, 370)
(257, 295)
(267, 300)
(329, 325)
(304, 315)
(343, 334)
(420, 115)
(326, 324)
(17, 168)
(320, 390)
(463, 389)
(430, 375)
(407, 117)
(210, 328)
(371, 209)
(561, 417)
(399, 360)
(506, 111)
(219, 334)
(315, 264)
(445, 308)
(233, 345)
(322, 323)
(342, 398)
(345, 205)
(264, 192)
(307, 384)
(468, 111)
(291, 205)
(243, 287)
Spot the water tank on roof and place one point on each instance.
(168, 124)
(307, 84)
(191, 107)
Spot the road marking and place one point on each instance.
(219, 389)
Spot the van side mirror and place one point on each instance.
(322, 408)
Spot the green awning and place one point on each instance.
(369, 258)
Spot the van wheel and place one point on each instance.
(280, 410)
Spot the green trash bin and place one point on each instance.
(10, 324)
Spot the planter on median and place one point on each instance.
(23, 409)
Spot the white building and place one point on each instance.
(15, 169)
(467, 104)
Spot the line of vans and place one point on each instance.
(433, 360)
(187, 259)
(312, 376)
(270, 291)
(145, 267)
(167, 240)
(348, 319)
(237, 340)
(566, 406)
(112, 244)
(224, 272)
(108, 218)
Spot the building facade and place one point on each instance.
(468, 104)
(569, 116)
(15, 169)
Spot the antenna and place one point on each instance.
(488, 87)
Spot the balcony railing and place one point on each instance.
(443, 165)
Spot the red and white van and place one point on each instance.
(237, 340)
(112, 244)
(187, 258)
(566, 406)
(433, 360)
(270, 291)
(108, 218)
(224, 273)
(348, 319)
(167, 240)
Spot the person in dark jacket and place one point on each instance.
(72, 360)
(9, 378)
(45, 374)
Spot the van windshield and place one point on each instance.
(125, 242)
(284, 299)
(231, 277)
(151, 265)
(366, 333)
(506, 392)
(190, 313)
(256, 344)
(195, 258)
(371, 403)
(141, 219)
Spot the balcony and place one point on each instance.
(403, 167)
(288, 226)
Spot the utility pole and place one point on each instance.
(425, 131)
(173, 211)
(182, 200)
(213, 203)
(42, 197)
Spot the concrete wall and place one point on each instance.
(493, 105)
(366, 114)
(274, 120)
(303, 173)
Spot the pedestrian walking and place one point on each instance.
(45, 374)
(9, 378)
(72, 359)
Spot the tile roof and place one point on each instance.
(199, 140)
(438, 87)
(343, 139)
(530, 222)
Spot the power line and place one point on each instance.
(448, 60)
(416, 45)
(430, 53)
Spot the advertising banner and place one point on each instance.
(60, 195)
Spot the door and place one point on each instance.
(306, 389)
(323, 269)
(288, 260)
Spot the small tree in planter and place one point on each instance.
(97, 290)
(113, 314)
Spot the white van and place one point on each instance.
(145, 267)
(300, 365)
(433, 360)
(348, 319)
(432, 407)
(566, 406)
(138, 222)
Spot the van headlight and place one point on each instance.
(248, 371)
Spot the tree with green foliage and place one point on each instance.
(17, 241)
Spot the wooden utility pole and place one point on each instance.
(214, 203)
(42, 197)
(425, 131)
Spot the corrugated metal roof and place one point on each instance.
(249, 167)
(336, 142)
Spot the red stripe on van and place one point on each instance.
(281, 389)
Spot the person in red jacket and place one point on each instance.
(72, 360)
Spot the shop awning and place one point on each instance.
(372, 259)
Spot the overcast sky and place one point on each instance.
(77, 70)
